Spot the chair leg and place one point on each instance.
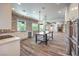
(46, 39)
(52, 35)
(36, 38)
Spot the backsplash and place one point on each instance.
(6, 31)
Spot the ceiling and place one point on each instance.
(48, 11)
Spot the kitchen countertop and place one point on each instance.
(7, 40)
(16, 36)
(21, 35)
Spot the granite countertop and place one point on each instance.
(7, 40)
(21, 35)
(12, 37)
(5, 36)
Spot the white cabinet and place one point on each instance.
(9, 47)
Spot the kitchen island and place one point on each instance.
(9, 45)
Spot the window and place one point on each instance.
(41, 27)
(34, 27)
(21, 25)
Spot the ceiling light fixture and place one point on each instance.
(75, 8)
(72, 9)
(19, 3)
(13, 8)
(33, 11)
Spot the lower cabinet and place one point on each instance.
(10, 48)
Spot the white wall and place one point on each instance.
(5, 16)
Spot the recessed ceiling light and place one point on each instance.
(72, 9)
(33, 11)
(19, 3)
(76, 8)
(59, 12)
(13, 8)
